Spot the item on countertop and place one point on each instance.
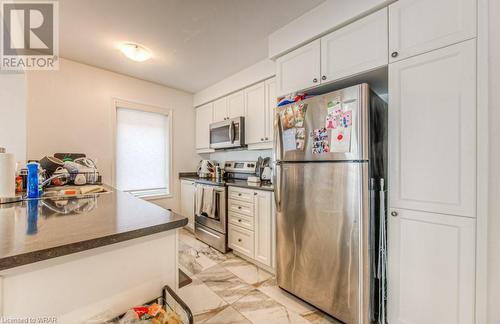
(7, 174)
(253, 179)
(266, 174)
(80, 179)
(19, 184)
(63, 177)
(69, 156)
(33, 190)
(50, 164)
(218, 174)
(206, 169)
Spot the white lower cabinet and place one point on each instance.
(188, 191)
(431, 268)
(263, 227)
(241, 240)
(251, 224)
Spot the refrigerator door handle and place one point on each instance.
(277, 187)
(278, 154)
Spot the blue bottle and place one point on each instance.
(33, 191)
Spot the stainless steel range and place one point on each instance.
(211, 227)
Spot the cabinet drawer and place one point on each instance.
(241, 194)
(241, 240)
(240, 207)
(241, 220)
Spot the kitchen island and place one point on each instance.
(74, 259)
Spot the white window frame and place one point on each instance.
(120, 103)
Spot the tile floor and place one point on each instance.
(228, 289)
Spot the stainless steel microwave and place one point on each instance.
(227, 133)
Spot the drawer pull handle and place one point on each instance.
(239, 195)
(239, 240)
(239, 220)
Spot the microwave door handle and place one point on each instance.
(231, 132)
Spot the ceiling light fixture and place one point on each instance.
(135, 52)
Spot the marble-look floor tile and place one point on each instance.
(192, 261)
(203, 317)
(202, 248)
(271, 289)
(318, 317)
(224, 283)
(228, 316)
(200, 298)
(245, 270)
(260, 308)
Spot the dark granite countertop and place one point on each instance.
(228, 182)
(36, 230)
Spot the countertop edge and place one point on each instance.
(54, 252)
(229, 184)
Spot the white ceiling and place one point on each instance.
(195, 43)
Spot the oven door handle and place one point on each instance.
(231, 132)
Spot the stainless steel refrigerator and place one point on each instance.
(327, 227)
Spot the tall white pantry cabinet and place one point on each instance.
(432, 162)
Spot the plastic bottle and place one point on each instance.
(33, 190)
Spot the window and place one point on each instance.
(142, 150)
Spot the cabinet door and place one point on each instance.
(220, 110)
(432, 131)
(431, 268)
(263, 228)
(236, 104)
(255, 123)
(419, 26)
(271, 103)
(204, 116)
(187, 201)
(359, 47)
(299, 69)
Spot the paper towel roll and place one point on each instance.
(7, 175)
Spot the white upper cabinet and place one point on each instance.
(204, 117)
(236, 104)
(431, 268)
(358, 47)
(255, 123)
(220, 110)
(298, 70)
(419, 26)
(432, 131)
(271, 102)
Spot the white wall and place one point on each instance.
(13, 113)
(494, 171)
(327, 16)
(70, 111)
(259, 71)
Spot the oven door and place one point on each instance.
(219, 221)
(228, 133)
